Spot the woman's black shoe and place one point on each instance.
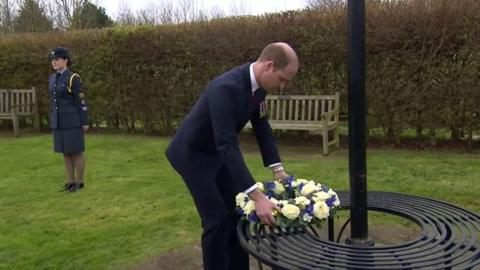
(75, 187)
(67, 186)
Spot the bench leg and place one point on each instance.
(36, 121)
(325, 141)
(16, 126)
(337, 138)
(260, 266)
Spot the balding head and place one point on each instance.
(280, 53)
(276, 66)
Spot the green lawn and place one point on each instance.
(135, 206)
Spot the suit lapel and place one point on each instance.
(253, 103)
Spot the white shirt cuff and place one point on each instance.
(274, 164)
(252, 188)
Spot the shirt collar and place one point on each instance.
(62, 71)
(252, 80)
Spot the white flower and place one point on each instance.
(241, 198)
(333, 193)
(297, 182)
(307, 217)
(336, 203)
(305, 201)
(320, 196)
(302, 201)
(260, 186)
(309, 188)
(321, 210)
(279, 189)
(249, 207)
(290, 211)
(282, 202)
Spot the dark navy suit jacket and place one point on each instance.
(66, 108)
(207, 139)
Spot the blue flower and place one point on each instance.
(269, 185)
(325, 188)
(240, 211)
(330, 201)
(287, 182)
(252, 217)
(309, 209)
(300, 186)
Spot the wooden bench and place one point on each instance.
(16, 103)
(319, 113)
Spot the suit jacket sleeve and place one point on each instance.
(265, 139)
(223, 110)
(80, 101)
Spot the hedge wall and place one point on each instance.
(423, 62)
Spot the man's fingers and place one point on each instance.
(268, 219)
(271, 220)
(265, 212)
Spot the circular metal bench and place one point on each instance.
(449, 239)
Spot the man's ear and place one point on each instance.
(269, 65)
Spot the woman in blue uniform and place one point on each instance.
(68, 117)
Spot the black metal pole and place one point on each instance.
(357, 123)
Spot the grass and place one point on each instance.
(135, 206)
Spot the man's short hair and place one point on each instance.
(275, 53)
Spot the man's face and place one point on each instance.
(59, 63)
(275, 79)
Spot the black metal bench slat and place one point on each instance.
(448, 240)
(388, 259)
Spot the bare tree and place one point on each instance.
(62, 11)
(183, 9)
(7, 15)
(216, 12)
(125, 15)
(201, 15)
(188, 11)
(237, 8)
(148, 15)
(316, 4)
(167, 13)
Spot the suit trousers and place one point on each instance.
(215, 202)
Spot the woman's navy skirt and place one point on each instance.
(68, 141)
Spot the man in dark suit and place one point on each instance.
(205, 150)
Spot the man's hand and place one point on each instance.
(264, 207)
(85, 128)
(281, 175)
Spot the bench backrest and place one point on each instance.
(21, 99)
(302, 107)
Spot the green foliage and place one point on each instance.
(423, 64)
(135, 206)
(32, 18)
(90, 16)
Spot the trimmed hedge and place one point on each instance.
(423, 62)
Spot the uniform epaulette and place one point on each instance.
(70, 82)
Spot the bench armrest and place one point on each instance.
(328, 115)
